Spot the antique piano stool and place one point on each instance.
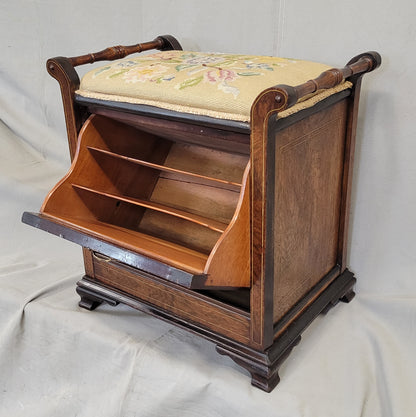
(210, 190)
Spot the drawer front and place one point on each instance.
(190, 307)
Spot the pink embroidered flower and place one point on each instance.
(220, 75)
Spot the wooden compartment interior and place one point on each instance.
(169, 199)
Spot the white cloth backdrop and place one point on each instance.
(59, 360)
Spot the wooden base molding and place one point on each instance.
(262, 365)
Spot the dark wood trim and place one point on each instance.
(349, 151)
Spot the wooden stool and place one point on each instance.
(210, 190)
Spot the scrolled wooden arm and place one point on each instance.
(62, 69)
(287, 95)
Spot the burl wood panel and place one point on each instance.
(308, 177)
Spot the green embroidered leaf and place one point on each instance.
(233, 57)
(99, 71)
(248, 74)
(116, 74)
(190, 82)
(183, 66)
(225, 63)
(188, 55)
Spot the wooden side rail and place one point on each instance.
(287, 96)
(161, 43)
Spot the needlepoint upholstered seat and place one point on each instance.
(209, 84)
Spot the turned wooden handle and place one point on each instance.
(366, 62)
(117, 52)
(64, 67)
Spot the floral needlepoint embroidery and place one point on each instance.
(214, 84)
(258, 65)
(190, 82)
(165, 78)
(215, 69)
(146, 73)
(220, 75)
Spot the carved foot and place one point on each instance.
(263, 366)
(346, 298)
(88, 304)
(90, 299)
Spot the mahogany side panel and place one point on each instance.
(265, 108)
(308, 176)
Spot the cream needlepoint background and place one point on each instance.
(209, 84)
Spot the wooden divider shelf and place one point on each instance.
(169, 200)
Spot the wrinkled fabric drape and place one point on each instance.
(57, 359)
